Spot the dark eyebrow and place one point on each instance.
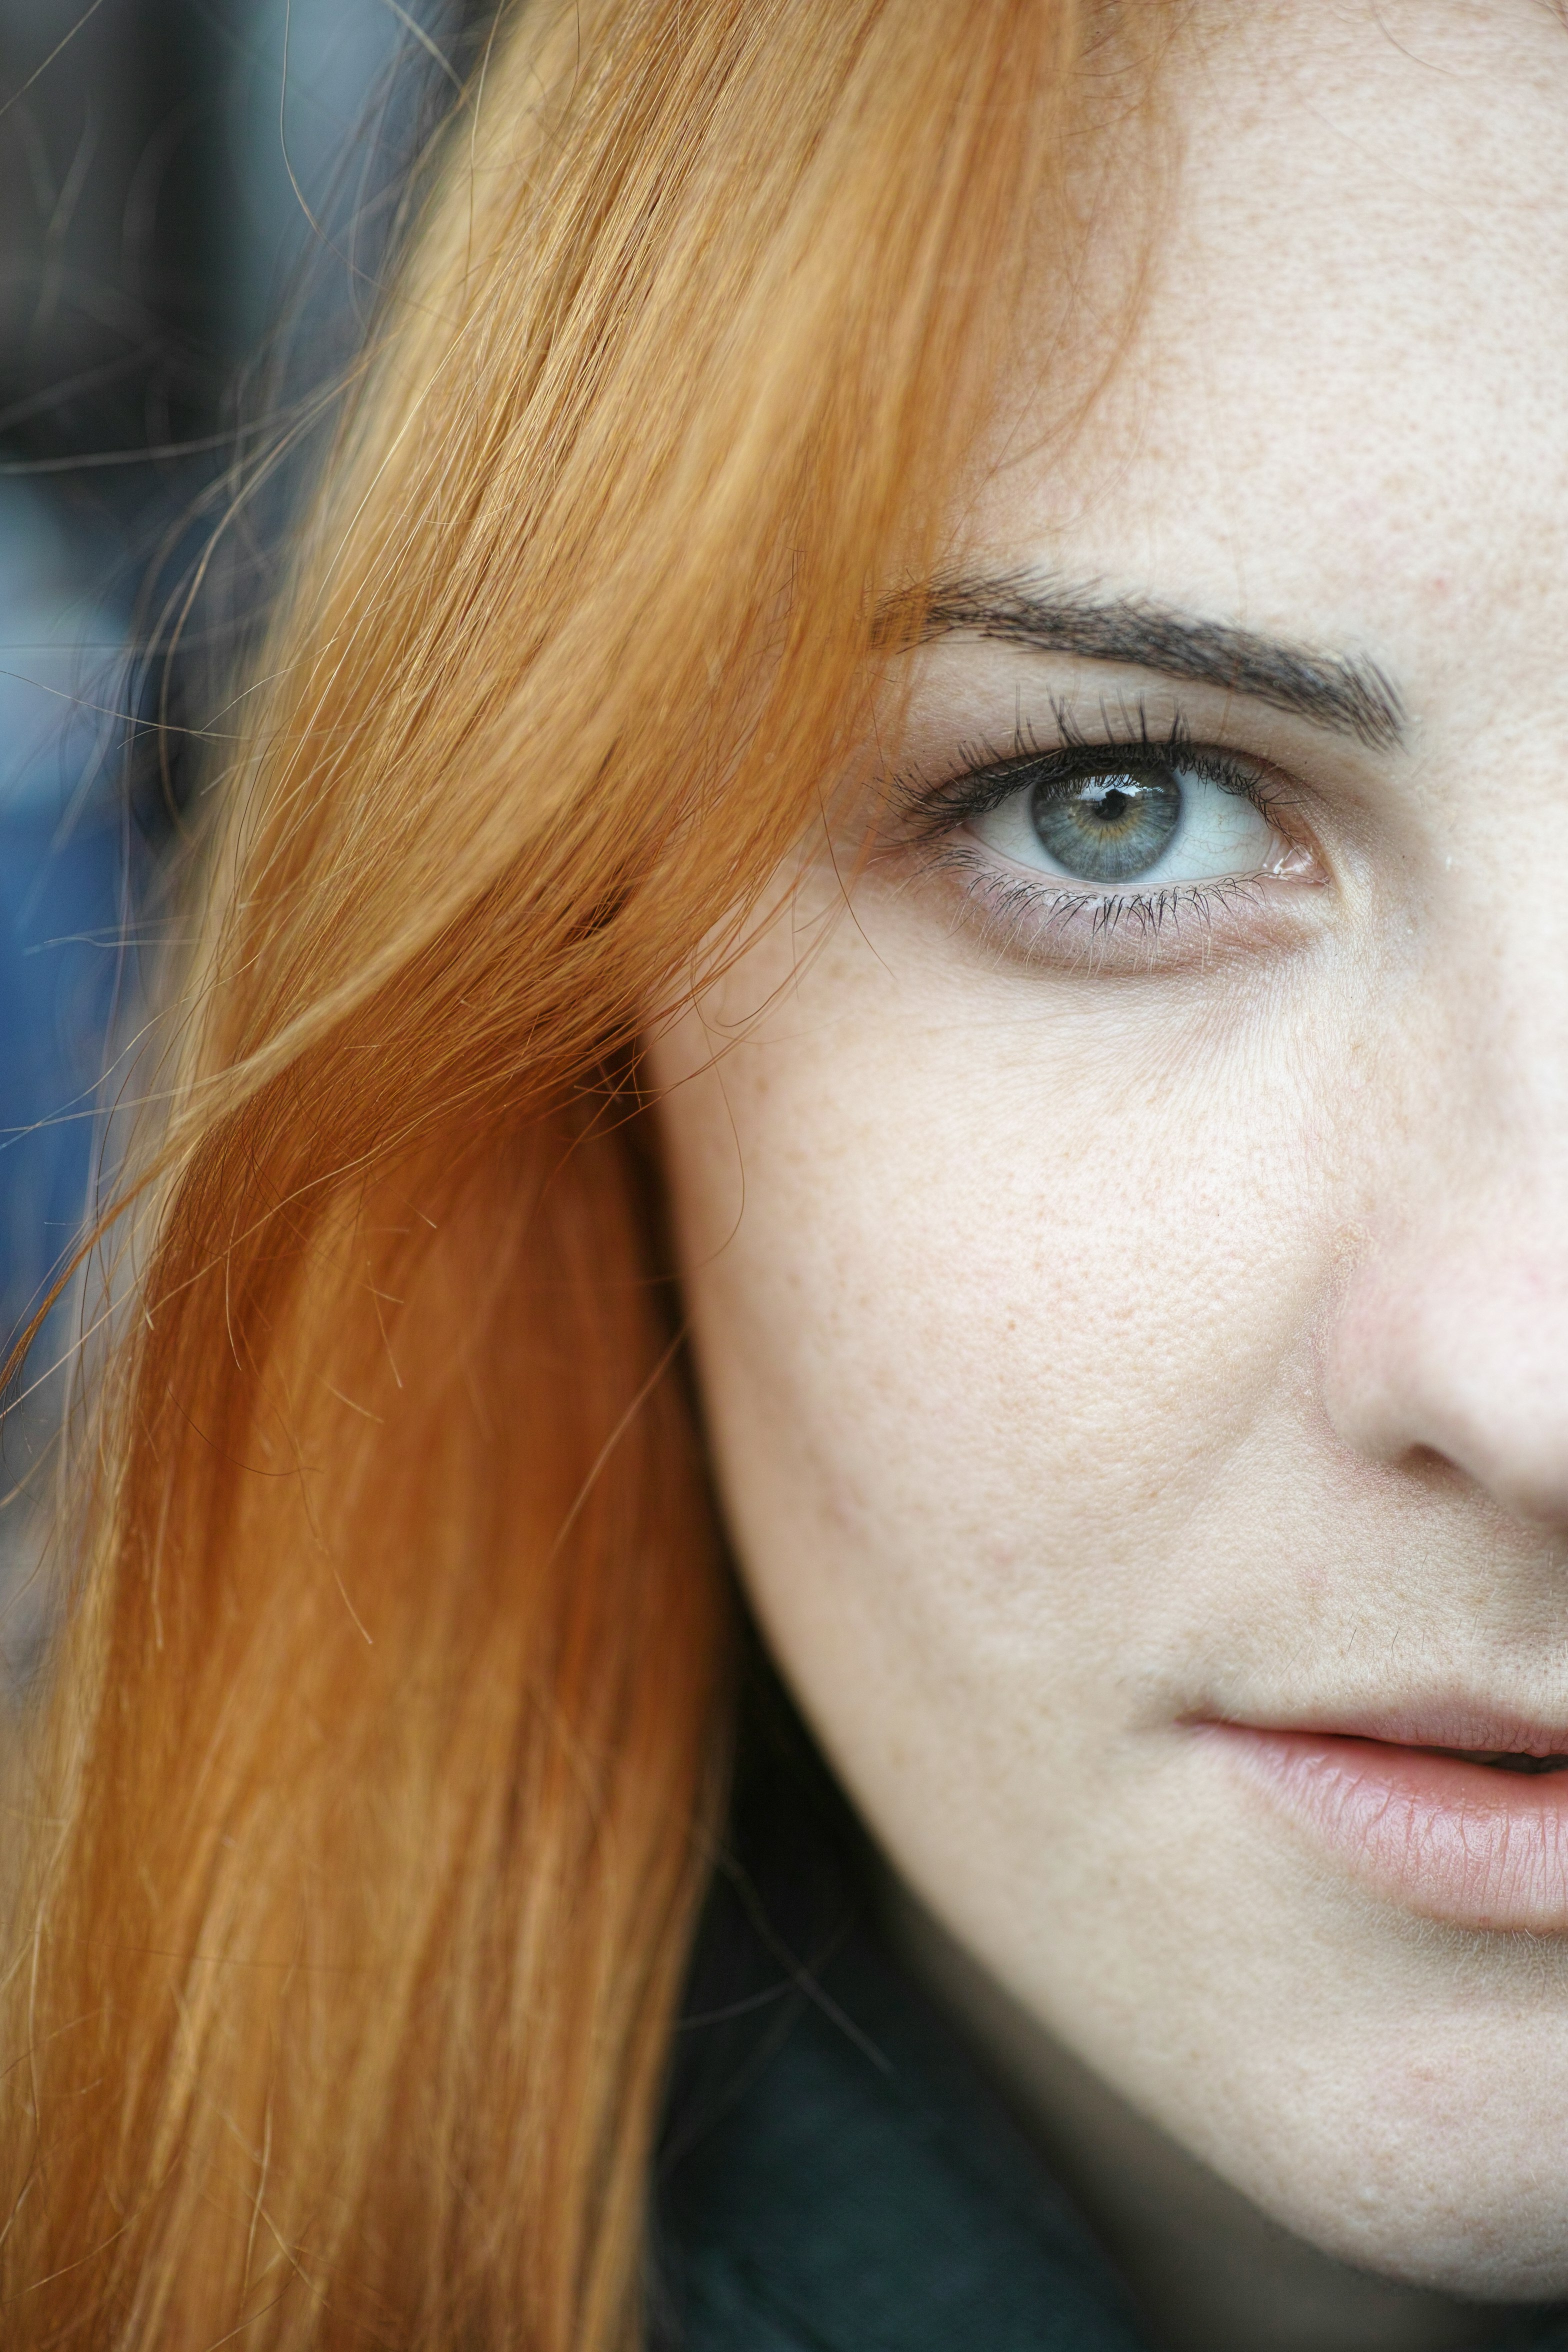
(1342, 691)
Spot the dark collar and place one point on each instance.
(856, 2187)
(836, 2174)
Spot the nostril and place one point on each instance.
(1435, 1468)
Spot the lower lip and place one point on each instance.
(1466, 1844)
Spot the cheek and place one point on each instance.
(1008, 1297)
(991, 1307)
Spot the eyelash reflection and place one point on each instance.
(938, 820)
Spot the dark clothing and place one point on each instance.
(837, 2174)
(865, 2192)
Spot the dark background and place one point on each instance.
(154, 172)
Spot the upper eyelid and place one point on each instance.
(989, 776)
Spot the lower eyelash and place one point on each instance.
(1028, 910)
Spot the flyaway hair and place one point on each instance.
(364, 1816)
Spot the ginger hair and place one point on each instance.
(365, 1812)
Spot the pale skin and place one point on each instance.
(1103, 1331)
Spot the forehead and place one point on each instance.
(1342, 397)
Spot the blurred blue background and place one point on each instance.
(194, 196)
(64, 873)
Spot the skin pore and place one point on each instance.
(1132, 1314)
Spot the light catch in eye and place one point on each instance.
(1158, 823)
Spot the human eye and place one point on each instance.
(1131, 833)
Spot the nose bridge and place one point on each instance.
(1450, 1338)
(1481, 1096)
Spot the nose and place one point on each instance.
(1454, 1343)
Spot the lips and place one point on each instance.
(1473, 1833)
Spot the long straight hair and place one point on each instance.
(373, 1787)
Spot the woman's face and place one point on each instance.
(1132, 1311)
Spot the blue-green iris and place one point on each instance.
(1109, 828)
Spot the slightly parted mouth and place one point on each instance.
(1485, 1739)
(1499, 1760)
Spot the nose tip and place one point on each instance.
(1459, 1349)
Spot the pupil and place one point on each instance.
(1107, 828)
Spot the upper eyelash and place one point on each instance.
(989, 776)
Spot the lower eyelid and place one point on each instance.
(1030, 913)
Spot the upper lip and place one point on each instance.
(1470, 1727)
